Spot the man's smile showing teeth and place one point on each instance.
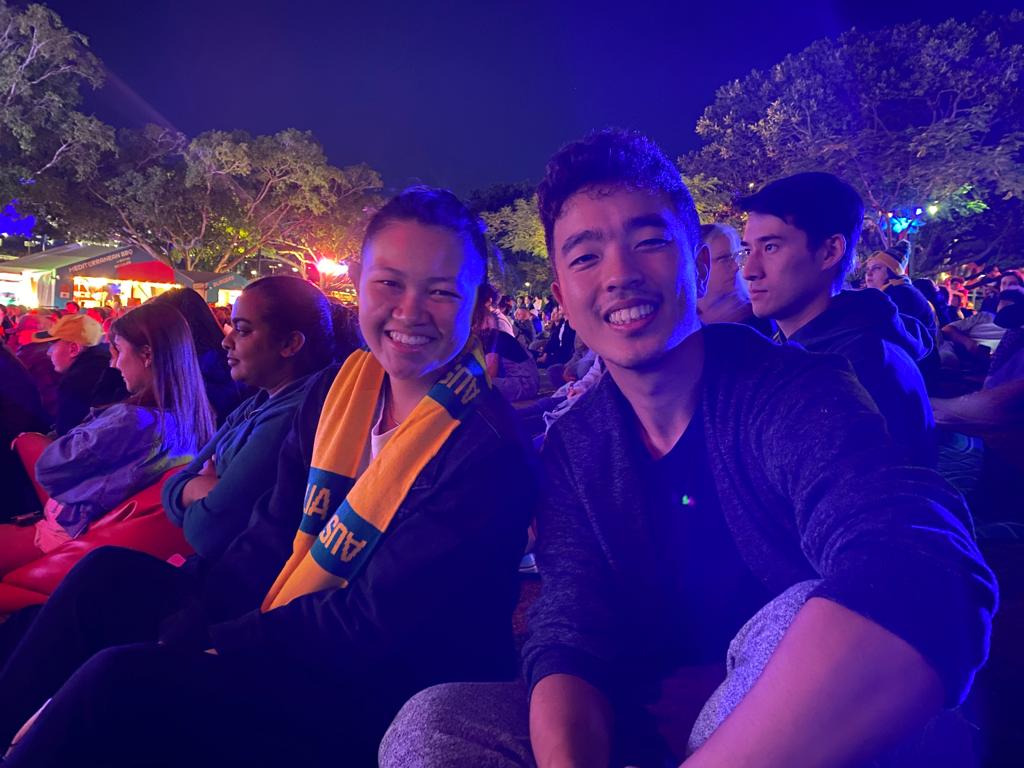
(411, 341)
(629, 314)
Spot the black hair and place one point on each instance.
(206, 331)
(346, 330)
(293, 304)
(820, 205)
(432, 207)
(612, 158)
(927, 287)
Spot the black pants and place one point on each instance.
(151, 706)
(119, 699)
(111, 597)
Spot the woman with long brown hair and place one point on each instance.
(119, 450)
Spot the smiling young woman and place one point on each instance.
(411, 489)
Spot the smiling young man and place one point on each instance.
(712, 478)
(798, 246)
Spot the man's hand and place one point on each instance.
(570, 723)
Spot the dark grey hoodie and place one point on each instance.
(866, 328)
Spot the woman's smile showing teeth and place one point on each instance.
(408, 340)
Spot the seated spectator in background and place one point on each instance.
(973, 339)
(223, 317)
(512, 369)
(996, 414)
(1007, 362)
(712, 480)
(799, 244)
(76, 349)
(927, 288)
(506, 305)
(6, 324)
(35, 357)
(561, 341)
(945, 313)
(526, 333)
(21, 410)
(494, 317)
(223, 392)
(411, 490)
(1011, 278)
(887, 271)
(281, 334)
(727, 299)
(119, 450)
(345, 321)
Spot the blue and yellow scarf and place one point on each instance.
(344, 518)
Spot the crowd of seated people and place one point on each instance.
(746, 553)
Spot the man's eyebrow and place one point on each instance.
(647, 220)
(581, 237)
(437, 279)
(762, 239)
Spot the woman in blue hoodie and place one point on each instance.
(281, 333)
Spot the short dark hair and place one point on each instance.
(820, 205)
(612, 157)
(433, 207)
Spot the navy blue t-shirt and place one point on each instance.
(710, 592)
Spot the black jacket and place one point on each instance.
(434, 602)
(21, 410)
(866, 328)
(560, 344)
(810, 487)
(912, 303)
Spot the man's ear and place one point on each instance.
(75, 349)
(703, 262)
(293, 344)
(834, 248)
(556, 291)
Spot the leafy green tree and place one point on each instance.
(42, 67)
(218, 200)
(516, 230)
(918, 117)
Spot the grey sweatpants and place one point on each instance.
(486, 725)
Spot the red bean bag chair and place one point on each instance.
(138, 523)
(28, 446)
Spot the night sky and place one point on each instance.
(459, 94)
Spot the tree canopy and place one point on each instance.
(926, 121)
(217, 200)
(42, 67)
(516, 230)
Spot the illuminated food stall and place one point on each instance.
(92, 275)
(219, 288)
